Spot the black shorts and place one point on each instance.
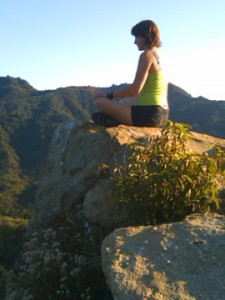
(149, 115)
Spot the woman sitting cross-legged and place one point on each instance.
(144, 102)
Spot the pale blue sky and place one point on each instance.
(52, 43)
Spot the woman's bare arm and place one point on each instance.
(133, 89)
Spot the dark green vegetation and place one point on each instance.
(164, 181)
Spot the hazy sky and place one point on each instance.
(52, 43)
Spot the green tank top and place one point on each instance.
(154, 91)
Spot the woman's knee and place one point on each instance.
(97, 103)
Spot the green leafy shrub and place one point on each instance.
(61, 261)
(165, 181)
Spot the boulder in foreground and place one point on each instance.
(182, 260)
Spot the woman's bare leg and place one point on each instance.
(118, 111)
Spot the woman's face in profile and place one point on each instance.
(140, 42)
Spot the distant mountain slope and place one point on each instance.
(203, 115)
(28, 118)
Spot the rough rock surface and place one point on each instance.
(183, 260)
(71, 175)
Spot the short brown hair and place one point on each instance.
(149, 30)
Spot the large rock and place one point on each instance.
(72, 174)
(184, 260)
